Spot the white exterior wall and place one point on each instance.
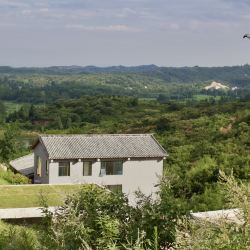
(140, 175)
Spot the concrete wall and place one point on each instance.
(40, 151)
(137, 175)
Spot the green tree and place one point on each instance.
(2, 112)
(59, 122)
(8, 144)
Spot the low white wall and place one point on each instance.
(23, 213)
(137, 175)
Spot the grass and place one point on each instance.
(3, 182)
(18, 196)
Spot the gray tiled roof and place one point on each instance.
(24, 165)
(102, 146)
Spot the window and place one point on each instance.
(87, 168)
(115, 188)
(47, 167)
(64, 169)
(38, 166)
(111, 168)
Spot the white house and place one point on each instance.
(125, 162)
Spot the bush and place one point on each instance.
(17, 238)
(94, 218)
(224, 234)
(13, 178)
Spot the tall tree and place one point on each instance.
(2, 112)
(8, 144)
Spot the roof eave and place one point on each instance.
(164, 151)
(109, 158)
(39, 140)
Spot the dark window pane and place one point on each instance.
(115, 188)
(64, 169)
(47, 167)
(87, 168)
(111, 168)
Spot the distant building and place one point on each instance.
(122, 162)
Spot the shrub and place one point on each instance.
(94, 218)
(224, 234)
(17, 238)
(13, 178)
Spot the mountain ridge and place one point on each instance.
(232, 75)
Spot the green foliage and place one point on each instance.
(163, 124)
(222, 234)
(12, 178)
(2, 112)
(200, 137)
(93, 218)
(17, 238)
(204, 171)
(8, 145)
(46, 85)
(203, 131)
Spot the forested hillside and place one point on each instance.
(201, 137)
(235, 74)
(39, 85)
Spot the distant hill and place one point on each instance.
(39, 85)
(74, 69)
(236, 75)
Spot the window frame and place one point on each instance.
(47, 167)
(115, 169)
(67, 168)
(89, 170)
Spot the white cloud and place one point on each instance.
(112, 28)
(26, 12)
(15, 4)
(125, 12)
(44, 10)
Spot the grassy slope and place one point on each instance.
(3, 182)
(30, 195)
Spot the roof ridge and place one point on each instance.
(92, 135)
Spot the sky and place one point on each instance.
(124, 32)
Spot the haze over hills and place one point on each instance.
(235, 75)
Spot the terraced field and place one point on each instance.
(14, 196)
